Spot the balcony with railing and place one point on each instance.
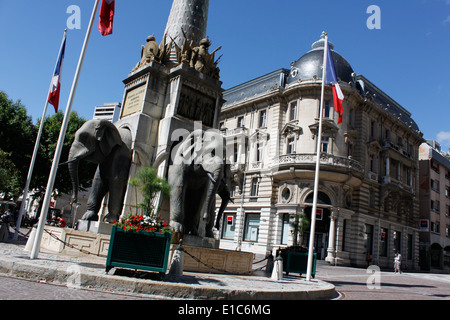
(326, 160)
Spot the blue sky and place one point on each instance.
(407, 58)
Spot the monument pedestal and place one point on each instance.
(94, 227)
(203, 255)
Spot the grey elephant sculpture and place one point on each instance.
(101, 142)
(197, 174)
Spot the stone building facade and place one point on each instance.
(434, 207)
(368, 200)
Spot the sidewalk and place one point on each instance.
(83, 270)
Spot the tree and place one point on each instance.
(17, 136)
(150, 184)
(17, 139)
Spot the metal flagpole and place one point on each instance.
(62, 134)
(36, 148)
(316, 180)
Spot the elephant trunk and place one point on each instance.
(213, 186)
(73, 171)
(73, 164)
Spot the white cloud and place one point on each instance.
(443, 138)
(446, 20)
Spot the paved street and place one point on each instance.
(352, 284)
(12, 288)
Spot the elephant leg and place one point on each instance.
(99, 190)
(176, 198)
(117, 188)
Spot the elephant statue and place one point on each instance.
(101, 142)
(197, 174)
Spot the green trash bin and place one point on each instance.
(295, 260)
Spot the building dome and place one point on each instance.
(310, 65)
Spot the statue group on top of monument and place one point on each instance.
(154, 52)
(197, 57)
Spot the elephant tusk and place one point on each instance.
(210, 176)
(68, 162)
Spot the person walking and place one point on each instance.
(398, 262)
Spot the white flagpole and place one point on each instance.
(316, 180)
(36, 148)
(62, 134)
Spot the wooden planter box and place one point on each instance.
(139, 251)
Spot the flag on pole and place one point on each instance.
(105, 25)
(331, 78)
(55, 87)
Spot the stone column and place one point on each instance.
(332, 239)
(189, 15)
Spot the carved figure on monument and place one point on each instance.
(101, 142)
(154, 52)
(202, 60)
(197, 174)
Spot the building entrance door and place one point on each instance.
(320, 243)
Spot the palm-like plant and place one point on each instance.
(150, 184)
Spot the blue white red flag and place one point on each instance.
(331, 78)
(55, 87)
(105, 25)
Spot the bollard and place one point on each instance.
(30, 242)
(269, 265)
(4, 232)
(277, 273)
(176, 267)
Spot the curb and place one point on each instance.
(86, 279)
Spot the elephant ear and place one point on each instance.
(108, 137)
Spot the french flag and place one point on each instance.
(331, 78)
(105, 25)
(55, 87)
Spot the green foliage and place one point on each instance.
(18, 136)
(150, 184)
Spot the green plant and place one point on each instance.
(148, 182)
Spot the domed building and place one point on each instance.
(369, 166)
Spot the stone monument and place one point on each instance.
(174, 88)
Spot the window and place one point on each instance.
(251, 229)
(435, 185)
(373, 163)
(435, 166)
(326, 109)
(384, 241)
(291, 146)
(229, 226)
(409, 177)
(351, 118)
(325, 143)
(369, 238)
(263, 119)
(259, 152)
(255, 187)
(373, 129)
(286, 227)
(435, 205)
(293, 111)
(387, 135)
(397, 241)
(240, 122)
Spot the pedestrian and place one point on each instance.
(398, 262)
(368, 258)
